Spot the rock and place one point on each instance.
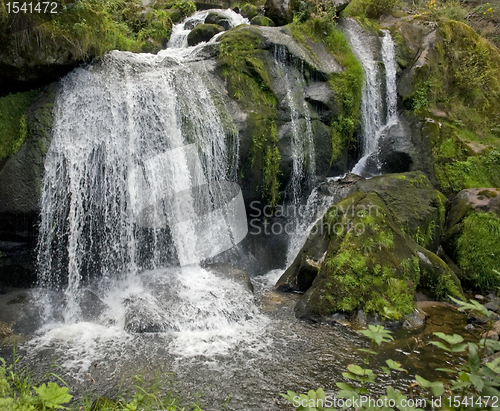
(278, 11)
(228, 271)
(91, 305)
(144, 316)
(218, 20)
(321, 96)
(473, 200)
(496, 327)
(203, 32)
(492, 306)
(340, 4)
(20, 183)
(262, 21)
(490, 335)
(415, 320)
(370, 236)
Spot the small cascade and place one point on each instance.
(374, 103)
(303, 171)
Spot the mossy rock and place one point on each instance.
(262, 21)
(203, 32)
(372, 262)
(218, 19)
(472, 237)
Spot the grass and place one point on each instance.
(13, 123)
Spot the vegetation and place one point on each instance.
(478, 252)
(13, 123)
(19, 393)
(91, 27)
(468, 386)
(372, 9)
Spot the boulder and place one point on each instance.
(218, 20)
(261, 21)
(203, 32)
(228, 271)
(364, 253)
(278, 11)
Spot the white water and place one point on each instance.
(374, 102)
(138, 177)
(302, 177)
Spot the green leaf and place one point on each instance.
(356, 369)
(344, 386)
(494, 365)
(477, 381)
(459, 348)
(378, 334)
(450, 339)
(473, 306)
(52, 396)
(386, 370)
(439, 344)
(448, 370)
(474, 360)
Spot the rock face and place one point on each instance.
(367, 249)
(278, 11)
(20, 185)
(261, 21)
(218, 20)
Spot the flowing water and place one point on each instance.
(378, 109)
(138, 188)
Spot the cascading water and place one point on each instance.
(302, 177)
(138, 178)
(374, 104)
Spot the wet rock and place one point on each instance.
(203, 32)
(415, 320)
(91, 305)
(144, 315)
(496, 327)
(228, 271)
(218, 20)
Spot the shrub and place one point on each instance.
(371, 8)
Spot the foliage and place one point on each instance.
(13, 124)
(478, 252)
(19, 393)
(372, 9)
(476, 378)
(91, 27)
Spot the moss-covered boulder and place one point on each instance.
(218, 19)
(203, 32)
(261, 21)
(373, 261)
(472, 237)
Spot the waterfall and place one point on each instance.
(137, 177)
(374, 103)
(303, 171)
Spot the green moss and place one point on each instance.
(13, 124)
(346, 85)
(249, 11)
(371, 8)
(478, 252)
(242, 65)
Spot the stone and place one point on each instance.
(492, 306)
(218, 20)
(278, 11)
(262, 21)
(203, 32)
(490, 335)
(228, 271)
(321, 97)
(496, 327)
(390, 211)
